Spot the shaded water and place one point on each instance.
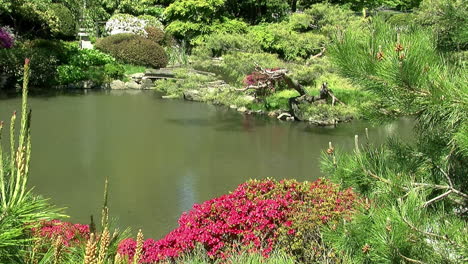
(162, 156)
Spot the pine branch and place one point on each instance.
(414, 228)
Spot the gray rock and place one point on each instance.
(117, 85)
(233, 106)
(137, 76)
(133, 85)
(147, 84)
(242, 109)
(193, 95)
(249, 98)
(88, 84)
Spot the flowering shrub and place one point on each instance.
(71, 234)
(125, 23)
(257, 216)
(7, 38)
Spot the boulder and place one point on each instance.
(133, 85)
(147, 84)
(193, 95)
(242, 109)
(117, 85)
(249, 98)
(137, 76)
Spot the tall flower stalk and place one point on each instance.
(20, 210)
(13, 188)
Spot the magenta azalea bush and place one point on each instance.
(6, 38)
(259, 216)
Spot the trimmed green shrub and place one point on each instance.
(218, 44)
(326, 18)
(134, 49)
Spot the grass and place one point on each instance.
(132, 69)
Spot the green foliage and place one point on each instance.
(290, 45)
(257, 11)
(131, 69)
(91, 65)
(196, 11)
(194, 32)
(448, 20)
(358, 5)
(396, 223)
(134, 49)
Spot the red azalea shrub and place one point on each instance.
(263, 83)
(258, 215)
(71, 234)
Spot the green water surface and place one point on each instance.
(162, 156)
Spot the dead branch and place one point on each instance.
(320, 54)
(409, 259)
(435, 199)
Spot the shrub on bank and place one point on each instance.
(134, 49)
(259, 215)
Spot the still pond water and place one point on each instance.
(162, 156)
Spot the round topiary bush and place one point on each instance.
(60, 20)
(134, 49)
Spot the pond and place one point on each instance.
(162, 156)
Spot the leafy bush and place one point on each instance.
(402, 20)
(114, 71)
(89, 64)
(260, 215)
(134, 49)
(195, 32)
